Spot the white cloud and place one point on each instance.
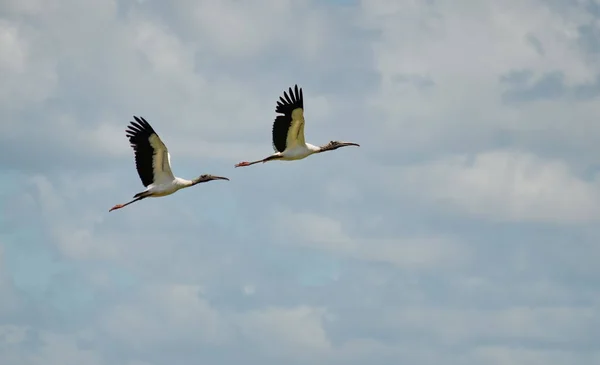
(325, 233)
(13, 52)
(451, 326)
(464, 50)
(54, 348)
(26, 79)
(73, 233)
(232, 29)
(63, 349)
(286, 332)
(503, 185)
(12, 334)
(177, 313)
(160, 315)
(506, 355)
(9, 301)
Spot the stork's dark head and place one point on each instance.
(334, 145)
(206, 177)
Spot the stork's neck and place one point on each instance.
(184, 183)
(324, 148)
(312, 148)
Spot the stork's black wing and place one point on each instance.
(139, 137)
(283, 122)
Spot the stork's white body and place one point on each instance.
(298, 152)
(168, 187)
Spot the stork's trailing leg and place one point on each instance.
(246, 163)
(119, 206)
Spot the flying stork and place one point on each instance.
(153, 164)
(288, 132)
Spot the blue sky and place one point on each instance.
(463, 231)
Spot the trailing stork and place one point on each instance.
(288, 132)
(153, 164)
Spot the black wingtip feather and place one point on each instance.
(291, 99)
(138, 133)
(139, 129)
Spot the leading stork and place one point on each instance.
(288, 132)
(153, 164)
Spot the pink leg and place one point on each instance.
(118, 206)
(245, 163)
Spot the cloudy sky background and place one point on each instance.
(463, 231)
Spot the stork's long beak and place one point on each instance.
(219, 178)
(344, 144)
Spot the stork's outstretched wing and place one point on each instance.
(288, 129)
(152, 159)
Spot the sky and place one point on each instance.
(463, 231)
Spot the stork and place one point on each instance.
(288, 132)
(153, 164)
